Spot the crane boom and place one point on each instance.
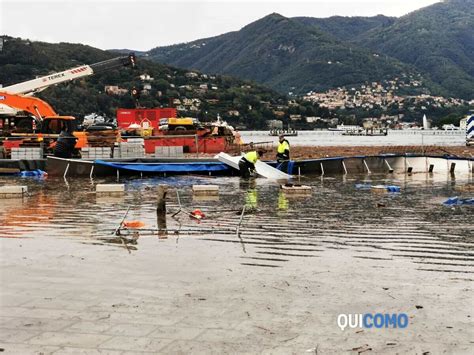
(30, 87)
(37, 107)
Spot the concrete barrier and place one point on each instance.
(12, 191)
(206, 189)
(110, 188)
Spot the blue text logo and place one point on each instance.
(370, 320)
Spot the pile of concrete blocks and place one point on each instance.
(129, 150)
(27, 153)
(169, 152)
(96, 152)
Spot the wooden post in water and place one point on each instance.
(161, 209)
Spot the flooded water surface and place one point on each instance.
(275, 228)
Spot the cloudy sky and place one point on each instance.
(144, 24)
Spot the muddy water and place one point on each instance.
(276, 228)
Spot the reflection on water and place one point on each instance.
(275, 229)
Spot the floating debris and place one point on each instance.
(456, 201)
(133, 224)
(378, 188)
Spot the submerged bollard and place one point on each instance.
(161, 209)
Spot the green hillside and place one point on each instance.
(283, 53)
(438, 40)
(347, 28)
(22, 60)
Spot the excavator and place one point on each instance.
(44, 122)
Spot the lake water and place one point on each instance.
(412, 224)
(332, 138)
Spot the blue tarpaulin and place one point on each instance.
(32, 173)
(280, 166)
(389, 188)
(456, 201)
(191, 167)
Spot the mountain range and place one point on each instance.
(304, 54)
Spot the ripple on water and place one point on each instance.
(277, 229)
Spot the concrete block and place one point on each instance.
(206, 189)
(110, 188)
(12, 191)
(295, 189)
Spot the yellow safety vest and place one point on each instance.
(251, 199)
(251, 157)
(283, 146)
(282, 201)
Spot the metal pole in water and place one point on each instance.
(390, 170)
(65, 171)
(366, 166)
(117, 230)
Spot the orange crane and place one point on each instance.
(50, 124)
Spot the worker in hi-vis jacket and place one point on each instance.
(283, 150)
(247, 163)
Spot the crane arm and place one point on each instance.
(33, 105)
(114, 63)
(31, 86)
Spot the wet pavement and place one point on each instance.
(70, 285)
